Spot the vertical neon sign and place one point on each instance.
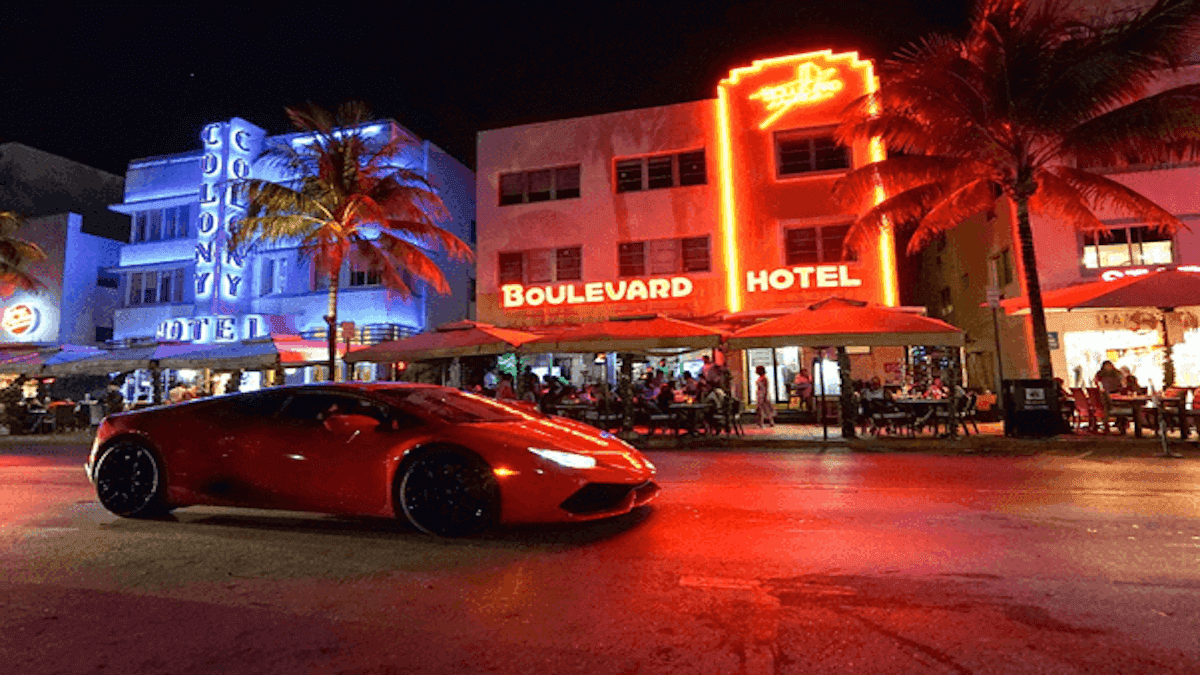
(228, 152)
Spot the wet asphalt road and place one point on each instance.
(747, 563)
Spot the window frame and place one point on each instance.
(810, 134)
(1134, 235)
(555, 255)
(647, 180)
(636, 255)
(556, 173)
(820, 242)
(146, 288)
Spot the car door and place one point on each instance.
(317, 463)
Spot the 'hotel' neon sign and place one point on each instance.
(812, 84)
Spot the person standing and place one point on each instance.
(504, 390)
(762, 397)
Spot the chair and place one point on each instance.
(1084, 410)
(64, 417)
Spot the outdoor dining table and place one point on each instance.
(690, 414)
(1143, 408)
(1137, 405)
(925, 411)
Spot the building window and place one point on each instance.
(362, 274)
(1005, 268)
(106, 279)
(663, 256)
(541, 266)
(823, 244)
(173, 222)
(272, 275)
(1126, 246)
(661, 171)
(154, 288)
(947, 304)
(800, 152)
(539, 186)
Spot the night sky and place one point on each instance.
(105, 85)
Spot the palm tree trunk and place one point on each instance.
(331, 322)
(1033, 290)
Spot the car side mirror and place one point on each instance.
(351, 424)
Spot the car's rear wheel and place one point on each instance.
(129, 481)
(449, 493)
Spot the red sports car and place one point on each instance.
(449, 462)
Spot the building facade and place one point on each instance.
(957, 271)
(179, 280)
(715, 210)
(65, 206)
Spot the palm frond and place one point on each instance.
(1163, 127)
(1059, 199)
(857, 189)
(947, 213)
(901, 211)
(1106, 195)
(405, 256)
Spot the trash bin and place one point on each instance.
(1031, 408)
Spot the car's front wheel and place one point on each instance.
(129, 481)
(449, 493)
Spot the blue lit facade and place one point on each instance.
(180, 282)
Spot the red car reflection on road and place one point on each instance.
(448, 462)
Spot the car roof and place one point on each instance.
(354, 386)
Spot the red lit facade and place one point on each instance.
(703, 210)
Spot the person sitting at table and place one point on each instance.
(714, 402)
(504, 390)
(666, 396)
(936, 389)
(1130, 384)
(691, 386)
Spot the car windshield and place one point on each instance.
(453, 406)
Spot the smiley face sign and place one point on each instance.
(19, 319)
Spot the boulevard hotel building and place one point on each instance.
(717, 211)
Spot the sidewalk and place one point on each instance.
(990, 441)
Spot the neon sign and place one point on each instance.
(20, 319)
(203, 329)
(228, 151)
(786, 278)
(516, 295)
(812, 84)
(1113, 275)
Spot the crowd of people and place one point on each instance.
(652, 394)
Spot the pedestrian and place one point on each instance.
(762, 396)
(504, 390)
(802, 389)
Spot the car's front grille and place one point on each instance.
(598, 497)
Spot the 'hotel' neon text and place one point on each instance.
(819, 276)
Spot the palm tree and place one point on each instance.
(15, 255)
(1015, 108)
(348, 196)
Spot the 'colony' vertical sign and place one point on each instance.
(229, 149)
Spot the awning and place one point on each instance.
(279, 350)
(1164, 288)
(644, 334)
(24, 361)
(460, 338)
(843, 323)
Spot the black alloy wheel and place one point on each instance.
(128, 481)
(449, 494)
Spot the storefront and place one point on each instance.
(1145, 320)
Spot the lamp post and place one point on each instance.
(993, 300)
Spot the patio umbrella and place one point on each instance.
(641, 334)
(449, 340)
(1164, 289)
(842, 323)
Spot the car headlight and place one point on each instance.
(571, 460)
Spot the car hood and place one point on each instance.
(563, 434)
